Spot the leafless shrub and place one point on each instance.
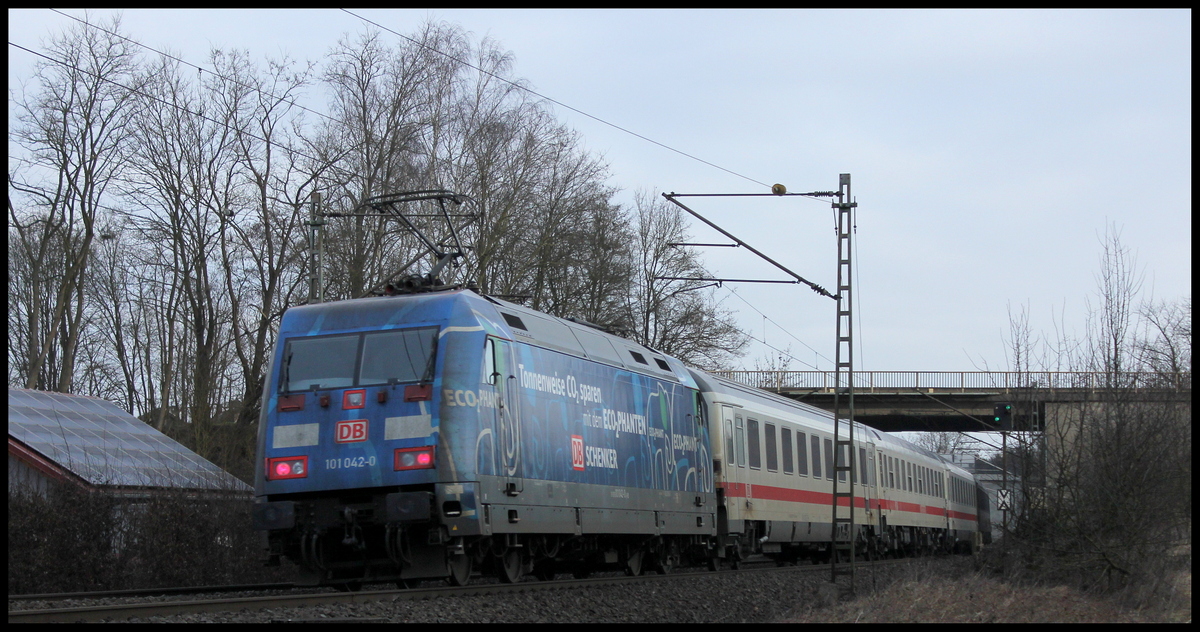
(74, 539)
(1108, 506)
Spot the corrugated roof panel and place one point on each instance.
(104, 445)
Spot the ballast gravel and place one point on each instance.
(683, 598)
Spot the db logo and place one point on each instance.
(577, 452)
(350, 431)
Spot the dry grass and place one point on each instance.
(950, 591)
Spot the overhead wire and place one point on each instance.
(423, 45)
(554, 101)
(162, 101)
(734, 292)
(293, 103)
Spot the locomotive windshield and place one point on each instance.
(379, 357)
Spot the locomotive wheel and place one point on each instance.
(633, 564)
(511, 566)
(667, 558)
(460, 569)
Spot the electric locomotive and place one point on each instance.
(434, 433)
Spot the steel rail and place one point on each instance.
(120, 612)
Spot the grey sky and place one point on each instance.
(988, 149)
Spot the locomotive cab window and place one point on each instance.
(398, 355)
(380, 357)
(319, 362)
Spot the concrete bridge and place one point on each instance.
(961, 401)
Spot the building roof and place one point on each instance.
(104, 445)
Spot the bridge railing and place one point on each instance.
(959, 380)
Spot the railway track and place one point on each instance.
(146, 609)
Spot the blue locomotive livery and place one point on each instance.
(431, 434)
(440, 433)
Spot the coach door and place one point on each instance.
(508, 416)
(871, 485)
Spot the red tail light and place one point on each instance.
(287, 467)
(418, 392)
(291, 402)
(414, 458)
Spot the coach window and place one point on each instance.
(816, 456)
(772, 449)
(843, 455)
(752, 443)
(785, 445)
(741, 438)
(862, 466)
(908, 468)
(829, 459)
(730, 455)
(801, 454)
(891, 464)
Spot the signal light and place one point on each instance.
(414, 458)
(287, 467)
(1002, 416)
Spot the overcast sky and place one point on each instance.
(989, 150)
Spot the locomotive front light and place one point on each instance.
(354, 399)
(414, 458)
(287, 467)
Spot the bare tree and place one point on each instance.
(1113, 475)
(1165, 347)
(677, 317)
(261, 238)
(73, 127)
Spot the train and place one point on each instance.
(442, 433)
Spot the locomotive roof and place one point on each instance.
(515, 321)
(588, 341)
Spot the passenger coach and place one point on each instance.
(774, 464)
